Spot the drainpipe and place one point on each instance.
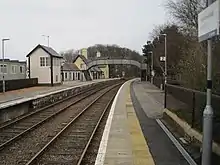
(51, 70)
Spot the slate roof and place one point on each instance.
(82, 57)
(47, 49)
(70, 67)
(15, 61)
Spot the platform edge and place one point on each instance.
(103, 144)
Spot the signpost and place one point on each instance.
(162, 58)
(208, 22)
(208, 27)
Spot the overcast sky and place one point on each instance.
(77, 23)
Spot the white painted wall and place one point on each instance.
(42, 73)
(70, 75)
(56, 70)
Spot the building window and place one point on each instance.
(73, 76)
(21, 69)
(13, 69)
(65, 75)
(44, 61)
(3, 68)
(47, 61)
(56, 78)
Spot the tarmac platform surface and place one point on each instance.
(132, 135)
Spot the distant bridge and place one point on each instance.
(96, 62)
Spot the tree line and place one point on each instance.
(111, 52)
(187, 58)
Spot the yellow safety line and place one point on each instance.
(140, 149)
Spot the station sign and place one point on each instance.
(208, 21)
(162, 58)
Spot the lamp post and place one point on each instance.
(165, 52)
(165, 72)
(152, 60)
(48, 39)
(62, 74)
(3, 60)
(152, 67)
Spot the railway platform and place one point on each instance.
(14, 97)
(134, 134)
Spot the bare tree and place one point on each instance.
(185, 13)
(69, 55)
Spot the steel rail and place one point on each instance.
(41, 109)
(94, 131)
(38, 154)
(3, 145)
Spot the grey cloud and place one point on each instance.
(77, 23)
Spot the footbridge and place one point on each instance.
(96, 62)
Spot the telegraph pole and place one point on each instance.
(48, 39)
(208, 112)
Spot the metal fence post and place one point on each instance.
(193, 110)
(165, 95)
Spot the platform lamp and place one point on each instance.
(152, 60)
(3, 66)
(165, 52)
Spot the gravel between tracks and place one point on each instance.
(22, 150)
(68, 148)
(91, 153)
(20, 126)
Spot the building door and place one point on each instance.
(73, 76)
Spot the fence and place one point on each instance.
(158, 81)
(18, 84)
(189, 105)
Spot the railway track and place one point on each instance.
(25, 137)
(71, 143)
(17, 128)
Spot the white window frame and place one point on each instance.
(70, 76)
(6, 68)
(45, 61)
(15, 69)
(42, 62)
